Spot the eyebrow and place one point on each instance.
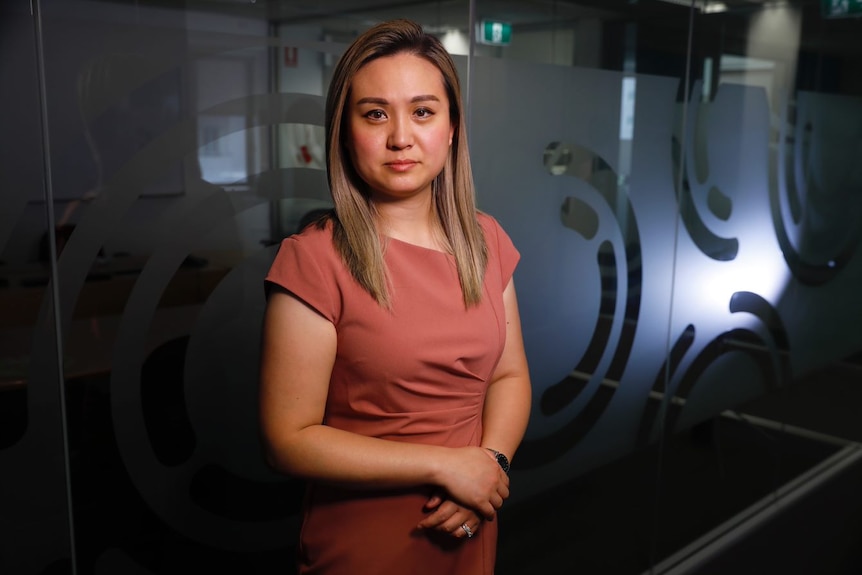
(384, 101)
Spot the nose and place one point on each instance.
(400, 134)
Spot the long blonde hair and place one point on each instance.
(355, 232)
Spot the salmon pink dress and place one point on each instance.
(417, 373)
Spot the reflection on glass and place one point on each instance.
(690, 246)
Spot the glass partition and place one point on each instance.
(680, 180)
(765, 337)
(34, 457)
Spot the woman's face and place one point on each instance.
(399, 132)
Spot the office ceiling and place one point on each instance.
(452, 13)
(350, 16)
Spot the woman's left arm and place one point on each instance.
(504, 418)
(507, 404)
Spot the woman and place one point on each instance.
(393, 374)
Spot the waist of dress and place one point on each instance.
(451, 428)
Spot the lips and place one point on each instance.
(401, 165)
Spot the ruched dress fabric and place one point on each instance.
(416, 373)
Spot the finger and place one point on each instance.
(503, 492)
(454, 523)
(497, 502)
(433, 502)
(465, 529)
(438, 517)
(487, 511)
(432, 521)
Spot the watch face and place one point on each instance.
(503, 461)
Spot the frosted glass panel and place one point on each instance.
(683, 185)
(593, 216)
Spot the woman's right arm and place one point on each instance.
(299, 347)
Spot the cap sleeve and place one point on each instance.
(501, 248)
(301, 267)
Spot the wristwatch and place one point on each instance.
(501, 459)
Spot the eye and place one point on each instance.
(375, 114)
(424, 112)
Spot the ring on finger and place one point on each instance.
(467, 530)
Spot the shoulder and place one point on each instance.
(501, 250)
(316, 236)
(309, 254)
(308, 265)
(314, 243)
(495, 236)
(488, 222)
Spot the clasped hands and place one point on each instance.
(473, 488)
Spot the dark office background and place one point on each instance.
(682, 178)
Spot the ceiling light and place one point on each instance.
(705, 6)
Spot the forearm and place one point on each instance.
(506, 414)
(323, 453)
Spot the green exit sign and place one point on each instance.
(495, 33)
(841, 8)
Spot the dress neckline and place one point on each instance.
(390, 239)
